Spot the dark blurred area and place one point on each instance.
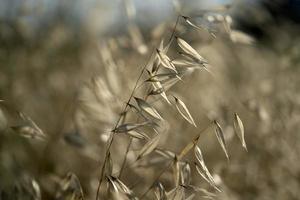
(257, 17)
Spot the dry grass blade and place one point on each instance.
(185, 174)
(70, 187)
(166, 48)
(202, 174)
(162, 77)
(120, 190)
(205, 174)
(203, 170)
(181, 62)
(155, 65)
(220, 136)
(165, 153)
(165, 61)
(186, 63)
(183, 110)
(156, 91)
(158, 86)
(176, 171)
(188, 21)
(36, 190)
(28, 131)
(198, 155)
(143, 105)
(168, 84)
(123, 187)
(187, 148)
(160, 192)
(138, 135)
(113, 184)
(239, 129)
(31, 130)
(128, 127)
(195, 60)
(189, 50)
(190, 197)
(138, 111)
(149, 147)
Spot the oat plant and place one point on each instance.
(142, 121)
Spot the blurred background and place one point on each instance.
(51, 53)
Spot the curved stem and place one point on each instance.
(111, 138)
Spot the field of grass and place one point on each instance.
(191, 108)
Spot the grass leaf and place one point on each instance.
(149, 147)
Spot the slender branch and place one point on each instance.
(125, 157)
(174, 28)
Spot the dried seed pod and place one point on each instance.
(220, 136)
(183, 110)
(202, 169)
(146, 107)
(160, 192)
(149, 147)
(128, 127)
(239, 129)
(165, 61)
(190, 50)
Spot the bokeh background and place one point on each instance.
(50, 51)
